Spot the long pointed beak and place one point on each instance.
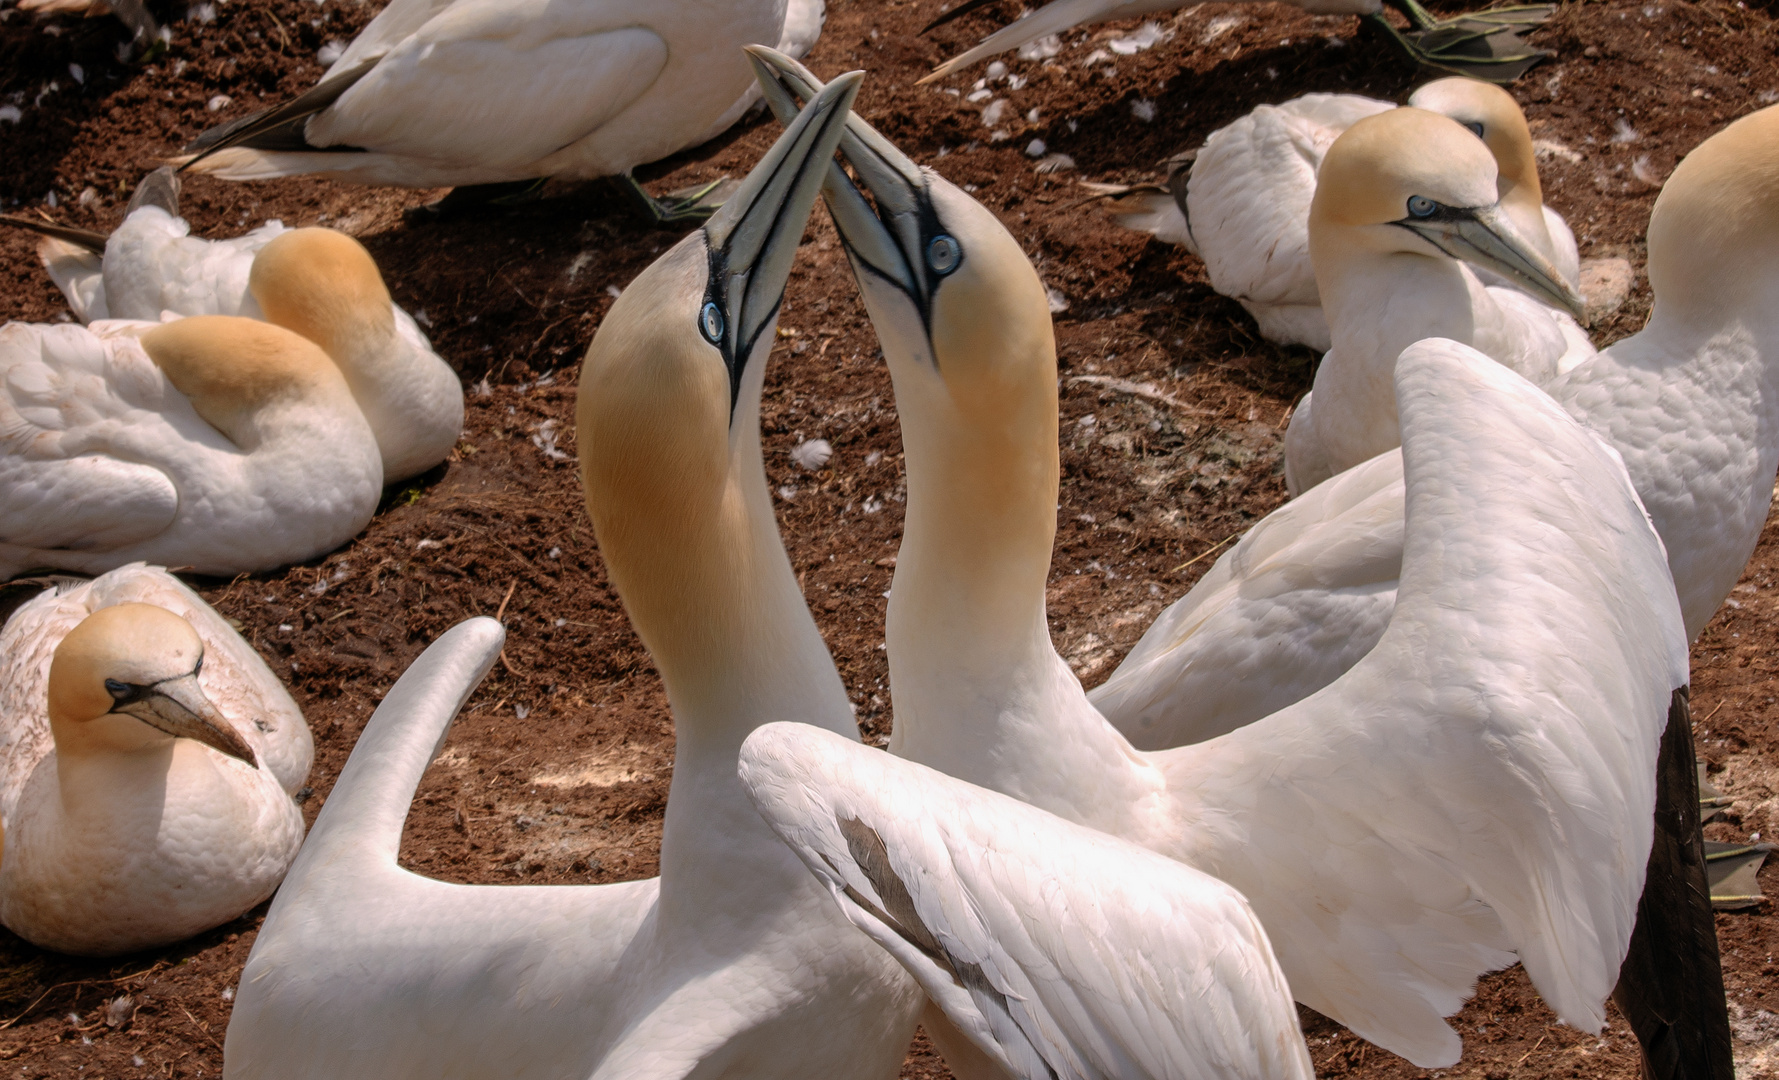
(179, 708)
(1483, 236)
(893, 179)
(757, 231)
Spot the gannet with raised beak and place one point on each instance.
(222, 444)
(318, 282)
(437, 93)
(733, 963)
(1404, 200)
(1242, 202)
(149, 761)
(1528, 693)
(1691, 403)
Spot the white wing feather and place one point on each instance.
(1059, 950)
(1481, 784)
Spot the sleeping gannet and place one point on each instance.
(1404, 200)
(318, 282)
(1481, 786)
(222, 444)
(1242, 202)
(150, 756)
(733, 963)
(438, 93)
(1056, 950)
(1691, 403)
(1479, 44)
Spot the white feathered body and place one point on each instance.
(104, 462)
(119, 853)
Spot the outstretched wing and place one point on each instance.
(1482, 784)
(1058, 950)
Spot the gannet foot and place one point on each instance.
(1480, 44)
(1733, 871)
(686, 205)
(477, 198)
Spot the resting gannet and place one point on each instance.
(1403, 201)
(320, 283)
(221, 444)
(1691, 404)
(1242, 201)
(437, 93)
(150, 756)
(1481, 787)
(733, 963)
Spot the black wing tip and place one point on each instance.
(958, 12)
(84, 238)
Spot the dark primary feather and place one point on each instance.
(281, 126)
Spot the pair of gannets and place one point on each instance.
(149, 761)
(1691, 403)
(317, 282)
(1242, 203)
(1482, 786)
(733, 963)
(437, 93)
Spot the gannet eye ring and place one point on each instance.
(710, 321)
(943, 254)
(1421, 206)
(1475, 126)
(118, 690)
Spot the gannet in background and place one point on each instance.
(1480, 44)
(318, 282)
(1057, 950)
(149, 760)
(1691, 403)
(1516, 703)
(1403, 201)
(733, 963)
(437, 93)
(222, 444)
(1242, 202)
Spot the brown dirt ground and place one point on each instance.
(574, 791)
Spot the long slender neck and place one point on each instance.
(979, 689)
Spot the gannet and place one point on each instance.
(1691, 403)
(1481, 786)
(222, 444)
(1057, 950)
(150, 756)
(733, 962)
(318, 282)
(437, 93)
(1242, 201)
(1403, 201)
(1480, 44)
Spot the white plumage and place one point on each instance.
(224, 445)
(113, 850)
(734, 962)
(456, 92)
(1056, 950)
(1690, 404)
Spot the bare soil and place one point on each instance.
(558, 769)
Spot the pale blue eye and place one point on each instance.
(1421, 206)
(943, 254)
(710, 320)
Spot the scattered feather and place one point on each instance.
(1095, 57)
(1622, 131)
(996, 72)
(787, 492)
(119, 1010)
(1036, 148)
(1058, 302)
(1219, 26)
(201, 13)
(11, 114)
(330, 53)
(1146, 36)
(613, 291)
(1143, 109)
(982, 94)
(218, 103)
(544, 438)
(996, 111)
(1042, 49)
(811, 454)
(78, 73)
(1055, 163)
(1547, 149)
(1645, 172)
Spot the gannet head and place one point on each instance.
(1412, 181)
(669, 390)
(1495, 117)
(1714, 232)
(324, 285)
(231, 368)
(132, 665)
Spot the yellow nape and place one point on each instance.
(1504, 128)
(322, 284)
(1714, 231)
(1373, 168)
(136, 644)
(231, 367)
